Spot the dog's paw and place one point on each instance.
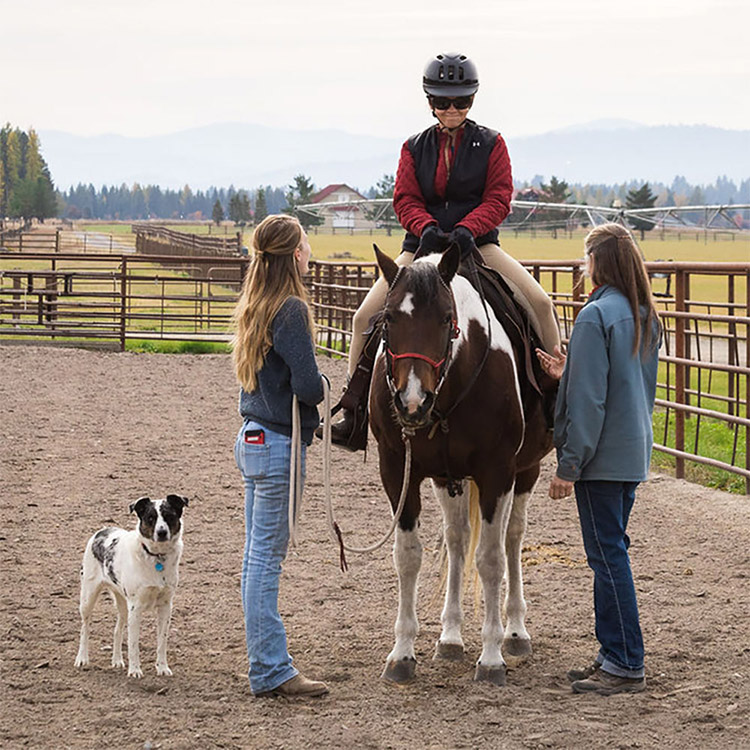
(135, 672)
(163, 670)
(118, 663)
(82, 661)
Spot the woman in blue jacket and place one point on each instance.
(274, 358)
(603, 435)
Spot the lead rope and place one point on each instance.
(295, 473)
(335, 531)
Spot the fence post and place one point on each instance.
(123, 300)
(57, 241)
(679, 377)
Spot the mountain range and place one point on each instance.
(249, 155)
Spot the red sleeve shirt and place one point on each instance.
(410, 207)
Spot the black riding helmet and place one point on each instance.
(450, 74)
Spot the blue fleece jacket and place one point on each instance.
(289, 368)
(603, 428)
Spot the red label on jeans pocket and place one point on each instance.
(255, 437)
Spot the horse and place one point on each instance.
(446, 380)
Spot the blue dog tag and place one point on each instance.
(159, 567)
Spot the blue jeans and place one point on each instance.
(265, 471)
(604, 509)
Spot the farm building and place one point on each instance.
(344, 216)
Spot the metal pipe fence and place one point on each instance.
(704, 376)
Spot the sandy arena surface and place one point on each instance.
(83, 434)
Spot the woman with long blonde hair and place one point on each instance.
(274, 359)
(603, 435)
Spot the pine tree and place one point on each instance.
(383, 216)
(641, 197)
(217, 214)
(33, 162)
(261, 210)
(299, 194)
(557, 192)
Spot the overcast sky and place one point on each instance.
(146, 67)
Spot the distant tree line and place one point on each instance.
(629, 195)
(26, 189)
(138, 202)
(677, 193)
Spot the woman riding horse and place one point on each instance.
(453, 184)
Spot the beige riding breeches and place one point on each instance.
(525, 287)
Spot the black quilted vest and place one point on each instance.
(466, 182)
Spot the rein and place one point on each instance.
(295, 482)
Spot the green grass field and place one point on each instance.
(526, 247)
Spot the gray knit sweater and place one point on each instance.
(289, 368)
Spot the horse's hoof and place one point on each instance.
(449, 651)
(495, 675)
(400, 671)
(515, 646)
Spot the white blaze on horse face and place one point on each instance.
(407, 304)
(413, 395)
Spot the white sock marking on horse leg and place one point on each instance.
(456, 532)
(490, 561)
(515, 604)
(407, 558)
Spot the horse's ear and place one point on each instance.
(449, 263)
(387, 265)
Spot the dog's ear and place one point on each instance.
(178, 502)
(140, 505)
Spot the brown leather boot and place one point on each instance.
(350, 431)
(298, 687)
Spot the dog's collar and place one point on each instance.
(159, 565)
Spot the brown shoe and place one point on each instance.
(582, 674)
(298, 687)
(604, 683)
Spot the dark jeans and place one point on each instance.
(604, 509)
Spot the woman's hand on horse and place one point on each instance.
(560, 488)
(553, 364)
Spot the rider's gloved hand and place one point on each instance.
(433, 240)
(464, 239)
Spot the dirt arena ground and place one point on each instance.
(83, 434)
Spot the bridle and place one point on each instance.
(441, 365)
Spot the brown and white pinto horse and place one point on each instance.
(447, 380)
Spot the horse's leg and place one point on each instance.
(490, 561)
(456, 531)
(517, 640)
(400, 666)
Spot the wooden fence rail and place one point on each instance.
(705, 361)
(158, 240)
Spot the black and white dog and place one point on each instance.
(139, 570)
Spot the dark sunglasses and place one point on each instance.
(444, 102)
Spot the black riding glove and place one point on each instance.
(465, 240)
(433, 240)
